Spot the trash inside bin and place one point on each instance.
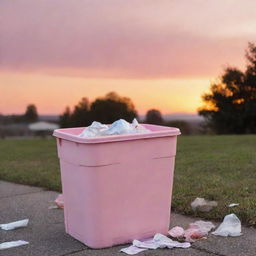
(117, 188)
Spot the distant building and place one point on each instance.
(42, 128)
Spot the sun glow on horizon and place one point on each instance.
(51, 94)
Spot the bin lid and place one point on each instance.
(71, 134)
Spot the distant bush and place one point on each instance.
(182, 125)
(154, 116)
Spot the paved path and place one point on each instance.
(47, 236)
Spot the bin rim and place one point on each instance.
(156, 131)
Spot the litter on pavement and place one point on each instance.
(132, 250)
(119, 127)
(231, 226)
(14, 225)
(59, 201)
(203, 205)
(7, 245)
(196, 230)
(176, 232)
(158, 241)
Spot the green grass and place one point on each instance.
(222, 168)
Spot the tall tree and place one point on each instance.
(230, 107)
(154, 116)
(81, 114)
(65, 118)
(31, 113)
(113, 107)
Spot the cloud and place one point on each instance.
(127, 39)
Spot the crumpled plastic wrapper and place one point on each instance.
(196, 230)
(176, 232)
(203, 205)
(231, 226)
(119, 127)
(14, 225)
(7, 245)
(59, 201)
(158, 241)
(132, 250)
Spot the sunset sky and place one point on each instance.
(162, 54)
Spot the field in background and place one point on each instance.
(222, 168)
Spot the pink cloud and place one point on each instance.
(133, 39)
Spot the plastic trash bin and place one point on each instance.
(116, 188)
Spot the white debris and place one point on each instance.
(14, 225)
(231, 226)
(204, 226)
(95, 129)
(147, 244)
(158, 241)
(203, 205)
(119, 127)
(131, 250)
(165, 241)
(7, 245)
(233, 205)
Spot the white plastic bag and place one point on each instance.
(231, 226)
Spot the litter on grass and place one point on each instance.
(7, 245)
(158, 241)
(14, 225)
(119, 127)
(233, 205)
(203, 205)
(231, 226)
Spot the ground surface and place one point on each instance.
(46, 234)
(222, 168)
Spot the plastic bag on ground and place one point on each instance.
(119, 127)
(158, 241)
(231, 226)
(198, 230)
(59, 201)
(165, 241)
(204, 226)
(14, 225)
(203, 205)
(7, 245)
(131, 250)
(176, 232)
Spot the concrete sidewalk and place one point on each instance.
(46, 233)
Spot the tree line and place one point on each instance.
(106, 110)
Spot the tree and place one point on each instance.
(31, 113)
(113, 107)
(106, 109)
(154, 116)
(81, 114)
(230, 107)
(65, 118)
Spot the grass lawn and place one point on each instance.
(222, 168)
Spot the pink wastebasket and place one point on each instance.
(117, 188)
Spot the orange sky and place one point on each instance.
(162, 54)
